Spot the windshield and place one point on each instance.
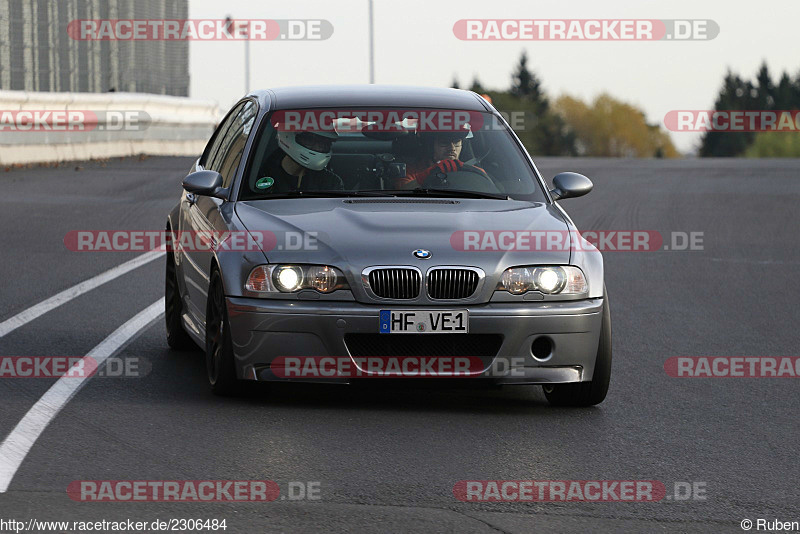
(397, 152)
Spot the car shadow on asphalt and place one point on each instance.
(449, 395)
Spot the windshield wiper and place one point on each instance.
(419, 191)
(447, 193)
(326, 194)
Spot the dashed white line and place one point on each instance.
(65, 296)
(18, 443)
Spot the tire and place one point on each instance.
(594, 391)
(220, 367)
(177, 337)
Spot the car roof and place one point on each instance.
(324, 96)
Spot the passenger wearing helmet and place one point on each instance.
(442, 152)
(300, 163)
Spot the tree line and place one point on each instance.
(607, 126)
(760, 94)
(570, 127)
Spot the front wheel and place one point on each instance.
(594, 391)
(219, 347)
(177, 338)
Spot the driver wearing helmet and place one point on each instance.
(300, 163)
(442, 152)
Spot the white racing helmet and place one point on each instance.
(312, 150)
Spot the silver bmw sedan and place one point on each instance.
(339, 234)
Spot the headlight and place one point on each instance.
(517, 281)
(550, 280)
(291, 278)
(287, 278)
(323, 278)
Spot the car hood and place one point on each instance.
(360, 232)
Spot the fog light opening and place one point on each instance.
(542, 348)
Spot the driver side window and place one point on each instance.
(212, 151)
(233, 143)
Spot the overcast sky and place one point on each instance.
(414, 44)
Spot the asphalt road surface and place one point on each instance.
(388, 459)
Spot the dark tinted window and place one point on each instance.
(213, 150)
(233, 142)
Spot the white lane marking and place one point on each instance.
(19, 442)
(58, 299)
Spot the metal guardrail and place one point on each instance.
(47, 127)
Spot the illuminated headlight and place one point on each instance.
(287, 278)
(291, 278)
(550, 280)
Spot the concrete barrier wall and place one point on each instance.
(103, 125)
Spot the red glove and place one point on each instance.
(448, 165)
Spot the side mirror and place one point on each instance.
(570, 185)
(206, 183)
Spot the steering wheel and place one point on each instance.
(468, 177)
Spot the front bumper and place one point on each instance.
(263, 329)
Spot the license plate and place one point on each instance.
(424, 322)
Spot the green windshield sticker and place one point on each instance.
(265, 182)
